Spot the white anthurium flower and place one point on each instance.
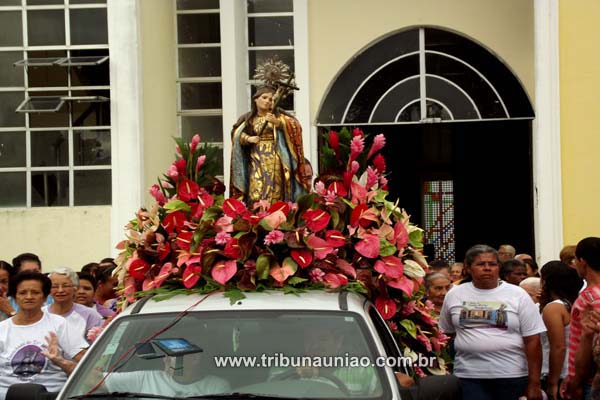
(413, 270)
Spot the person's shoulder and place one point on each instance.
(85, 311)
(53, 319)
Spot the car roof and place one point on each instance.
(267, 300)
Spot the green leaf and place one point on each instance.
(410, 327)
(294, 280)
(211, 213)
(380, 196)
(415, 238)
(335, 219)
(386, 248)
(289, 263)
(177, 205)
(234, 295)
(263, 265)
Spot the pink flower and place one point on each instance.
(320, 189)
(274, 237)
(172, 172)
(316, 275)
(200, 162)
(424, 340)
(330, 197)
(378, 144)
(372, 177)
(94, 333)
(408, 308)
(357, 145)
(354, 167)
(222, 238)
(194, 144)
(157, 194)
(224, 224)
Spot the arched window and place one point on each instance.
(424, 75)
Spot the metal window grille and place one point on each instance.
(438, 221)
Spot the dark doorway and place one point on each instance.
(490, 166)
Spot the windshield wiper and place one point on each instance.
(128, 395)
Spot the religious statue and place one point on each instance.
(267, 160)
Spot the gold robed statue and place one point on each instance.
(267, 160)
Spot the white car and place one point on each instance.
(267, 345)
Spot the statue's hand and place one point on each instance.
(253, 139)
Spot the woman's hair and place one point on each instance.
(532, 264)
(7, 267)
(477, 250)
(567, 254)
(88, 277)
(429, 278)
(559, 281)
(69, 273)
(29, 276)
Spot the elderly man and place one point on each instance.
(80, 318)
(506, 252)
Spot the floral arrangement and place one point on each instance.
(344, 236)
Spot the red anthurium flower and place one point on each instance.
(401, 235)
(191, 275)
(403, 283)
(232, 249)
(280, 206)
(234, 207)
(320, 247)
(333, 281)
(184, 240)
(368, 246)
(338, 188)
(357, 214)
(174, 221)
(335, 238)
(346, 268)
(164, 250)
(389, 266)
(138, 268)
(386, 307)
(187, 190)
(181, 167)
(302, 257)
(316, 220)
(164, 273)
(223, 271)
(205, 199)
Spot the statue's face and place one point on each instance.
(264, 102)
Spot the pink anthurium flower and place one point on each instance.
(401, 235)
(188, 258)
(287, 269)
(163, 274)
(368, 246)
(346, 268)
(191, 275)
(302, 257)
(334, 281)
(234, 207)
(224, 224)
(390, 266)
(187, 190)
(403, 283)
(359, 193)
(273, 221)
(319, 246)
(316, 220)
(386, 307)
(148, 284)
(223, 271)
(130, 289)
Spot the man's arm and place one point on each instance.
(533, 353)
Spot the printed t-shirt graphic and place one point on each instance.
(483, 314)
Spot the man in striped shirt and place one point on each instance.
(587, 263)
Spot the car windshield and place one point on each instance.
(316, 354)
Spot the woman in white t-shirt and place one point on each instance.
(29, 340)
(560, 288)
(497, 327)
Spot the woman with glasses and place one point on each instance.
(63, 289)
(25, 339)
(497, 332)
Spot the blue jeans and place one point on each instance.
(493, 389)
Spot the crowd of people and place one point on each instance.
(518, 330)
(45, 318)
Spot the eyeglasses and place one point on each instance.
(484, 263)
(65, 286)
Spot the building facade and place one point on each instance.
(484, 104)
